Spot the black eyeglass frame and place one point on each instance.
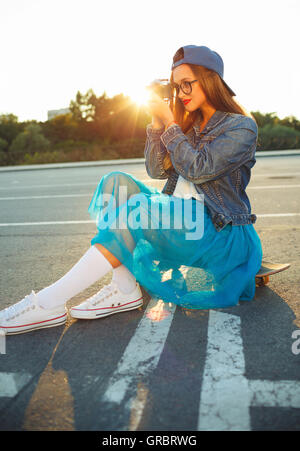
(178, 87)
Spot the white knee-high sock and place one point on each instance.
(124, 279)
(91, 267)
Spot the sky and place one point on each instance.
(52, 49)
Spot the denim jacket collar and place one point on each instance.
(215, 119)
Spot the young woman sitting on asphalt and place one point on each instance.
(193, 243)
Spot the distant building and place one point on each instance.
(53, 113)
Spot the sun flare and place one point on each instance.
(140, 96)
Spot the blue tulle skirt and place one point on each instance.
(171, 245)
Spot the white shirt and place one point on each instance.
(186, 189)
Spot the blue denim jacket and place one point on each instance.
(218, 160)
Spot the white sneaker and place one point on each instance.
(107, 301)
(26, 315)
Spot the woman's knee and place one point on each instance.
(119, 183)
(118, 176)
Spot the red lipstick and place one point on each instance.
(186, 101)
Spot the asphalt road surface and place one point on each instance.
(158, 368)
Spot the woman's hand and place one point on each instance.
(159, 109)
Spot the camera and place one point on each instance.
(162, 87)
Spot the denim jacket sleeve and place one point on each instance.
(217, 156)
(154, 153)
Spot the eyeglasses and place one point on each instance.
(185, 86)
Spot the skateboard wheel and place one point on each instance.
(262, 281)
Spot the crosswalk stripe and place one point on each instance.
(223, 380)
(12, 383)
(275, 393)
(141, 355)
(226, 394)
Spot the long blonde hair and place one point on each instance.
(217, 95)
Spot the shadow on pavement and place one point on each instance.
(70, 368)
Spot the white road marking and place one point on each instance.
(52, 185)
(45, 197)
(269, 175)
(141, 355)
(12, 383)
(137, 407)
(275, 393)
(10, 224)
(253, 175)
(149, 182)
(226, 395)
(277, 215)
(146, 180)
(273, 187)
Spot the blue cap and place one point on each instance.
(201, 56)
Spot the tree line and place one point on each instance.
(99, 128)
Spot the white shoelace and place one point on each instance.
(20, 307)
(102, 294)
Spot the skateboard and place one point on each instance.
(266, 270)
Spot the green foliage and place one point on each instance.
(62, 127)
(275, 137)
(9, 127)
(99, 128)
(30, 140)
(291, 121)
(272, 119)
(264, 119)
(115, 118)
(41, 158)
(3, 145)
(68, 152)
(3, 151)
